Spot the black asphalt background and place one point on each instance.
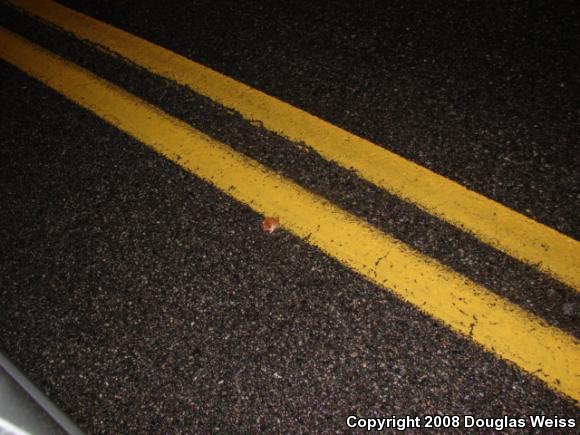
(144, 301)
(485, 93)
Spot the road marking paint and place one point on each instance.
(496, 324)
(513, 233)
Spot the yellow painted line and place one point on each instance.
(496, 324)
(513, 233)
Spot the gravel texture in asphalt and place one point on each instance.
(482, 92)
(142, 300)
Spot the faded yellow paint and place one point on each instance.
(499, 326)
(489, 221)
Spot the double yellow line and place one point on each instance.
(496, 324)
(494, 224)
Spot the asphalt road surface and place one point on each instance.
(141, 299)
